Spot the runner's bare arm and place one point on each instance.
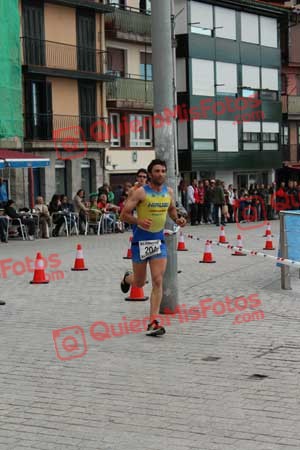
(172, 211)
(133, 200)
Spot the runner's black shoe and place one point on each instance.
(125, 286)
(2, 302)
(154, 329)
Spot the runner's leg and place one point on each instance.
(138, 277)
(157, 268)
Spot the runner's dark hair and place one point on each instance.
(141, 171)
(156, 162)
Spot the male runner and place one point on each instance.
(153, 202)
(141, 180)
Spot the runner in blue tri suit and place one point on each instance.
(152, 202)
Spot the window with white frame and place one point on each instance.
(115, 138)
(140, 130)
(60, 176)
(251, 77)
(181, 75)
(226, 78)
(201, 18)
(204, 132)
(251, 135)
(251, 81)
(268, 32)
(227, 136)
(203, 79)
(225, 20)
(182, 135)
(270, 135)
(269, 84)
(284, 134)
(269, 79)
(250, 28)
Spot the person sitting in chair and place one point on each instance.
(11, 212)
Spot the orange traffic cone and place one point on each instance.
(239, 244)
(222, 237)
(79, 261)
(129, 251)
(181, 243)
(136, 295)
(269, 244)
(207, 255)
(39, 276)
(268, 230)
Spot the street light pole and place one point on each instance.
(163, 76)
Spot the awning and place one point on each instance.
(292, 166)
(15, 159)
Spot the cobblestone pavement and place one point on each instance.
(207, 384)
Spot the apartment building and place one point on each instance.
(290, 38)
(65, 68)
(129, 97)
(228, 78)
(15, 166)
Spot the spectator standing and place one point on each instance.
(80, 209)
(182, 191)
(201, 195)
(231, 199)
(44, 217)
(118, 194)
(3, 193)
(263, 194)
(218, 202)
(282, 199)
(192, 206)
(292, 194)
(208, 196)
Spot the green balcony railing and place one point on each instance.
(130, 90)
(128, 21)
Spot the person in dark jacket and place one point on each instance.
(218, 201)
(11, 212)
(3, 229)
(55, 210)
(208, 200)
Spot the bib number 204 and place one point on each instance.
(149, 248)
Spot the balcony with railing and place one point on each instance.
(128, 24)
(130, 93)
(40, 56)
(71, 130)
(100, 6)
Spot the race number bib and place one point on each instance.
(149, 248)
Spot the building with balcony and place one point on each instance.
(65, 67)
(129, 98)
(228, 79)
(290, 38)
(11, 129)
